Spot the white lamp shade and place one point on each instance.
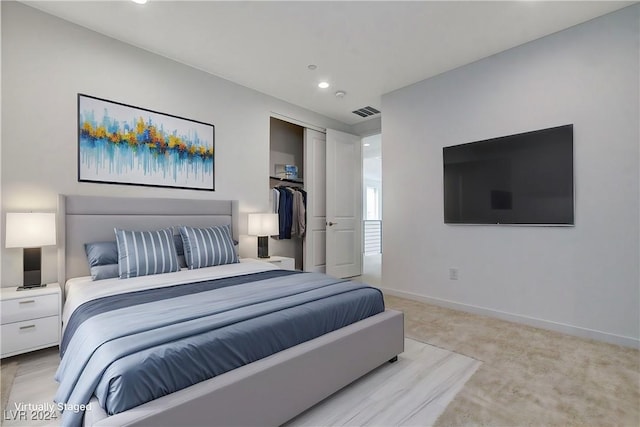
(30, 230)
(263, 224)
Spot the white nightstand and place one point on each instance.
(282, 262)
(30, 319)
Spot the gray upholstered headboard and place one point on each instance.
(84, 219)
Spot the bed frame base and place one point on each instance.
(273, 390)
(268, 392)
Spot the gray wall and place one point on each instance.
(581, 279)
(47, 61)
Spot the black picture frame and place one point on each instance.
(123, 144)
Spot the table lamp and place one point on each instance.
(263, 225)
(31, 231)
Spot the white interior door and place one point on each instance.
(315, 160)
(343, 204)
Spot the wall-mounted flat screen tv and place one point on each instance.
(524, 179)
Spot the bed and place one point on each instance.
(267, 388)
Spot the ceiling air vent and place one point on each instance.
(366, 111)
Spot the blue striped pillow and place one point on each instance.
(141, 253)
(205, 247)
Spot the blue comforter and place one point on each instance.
(132, 348)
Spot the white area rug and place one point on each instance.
(414, 391)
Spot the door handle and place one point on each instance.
(331, 223)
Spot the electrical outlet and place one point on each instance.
(453, 274)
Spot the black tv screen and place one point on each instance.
(518, 179)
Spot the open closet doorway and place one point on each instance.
(372, 209)
(327, 164)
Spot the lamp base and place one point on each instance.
(263, 247)
(27, 287)
(31, 266)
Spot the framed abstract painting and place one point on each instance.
(122, 144)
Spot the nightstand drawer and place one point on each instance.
(29, 307)
(282, 262)
(31, 334)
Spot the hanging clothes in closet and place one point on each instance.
(290, 205)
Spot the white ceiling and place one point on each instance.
(364, 48)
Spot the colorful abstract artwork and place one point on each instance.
(121, 144)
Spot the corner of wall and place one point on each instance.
(368, 127)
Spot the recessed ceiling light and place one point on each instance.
(139, 1)
(366, 144)
(323, 85)
(312, 66)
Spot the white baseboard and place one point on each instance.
(517, 318)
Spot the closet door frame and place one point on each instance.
(315, 249)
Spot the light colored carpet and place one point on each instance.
(529, 376)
